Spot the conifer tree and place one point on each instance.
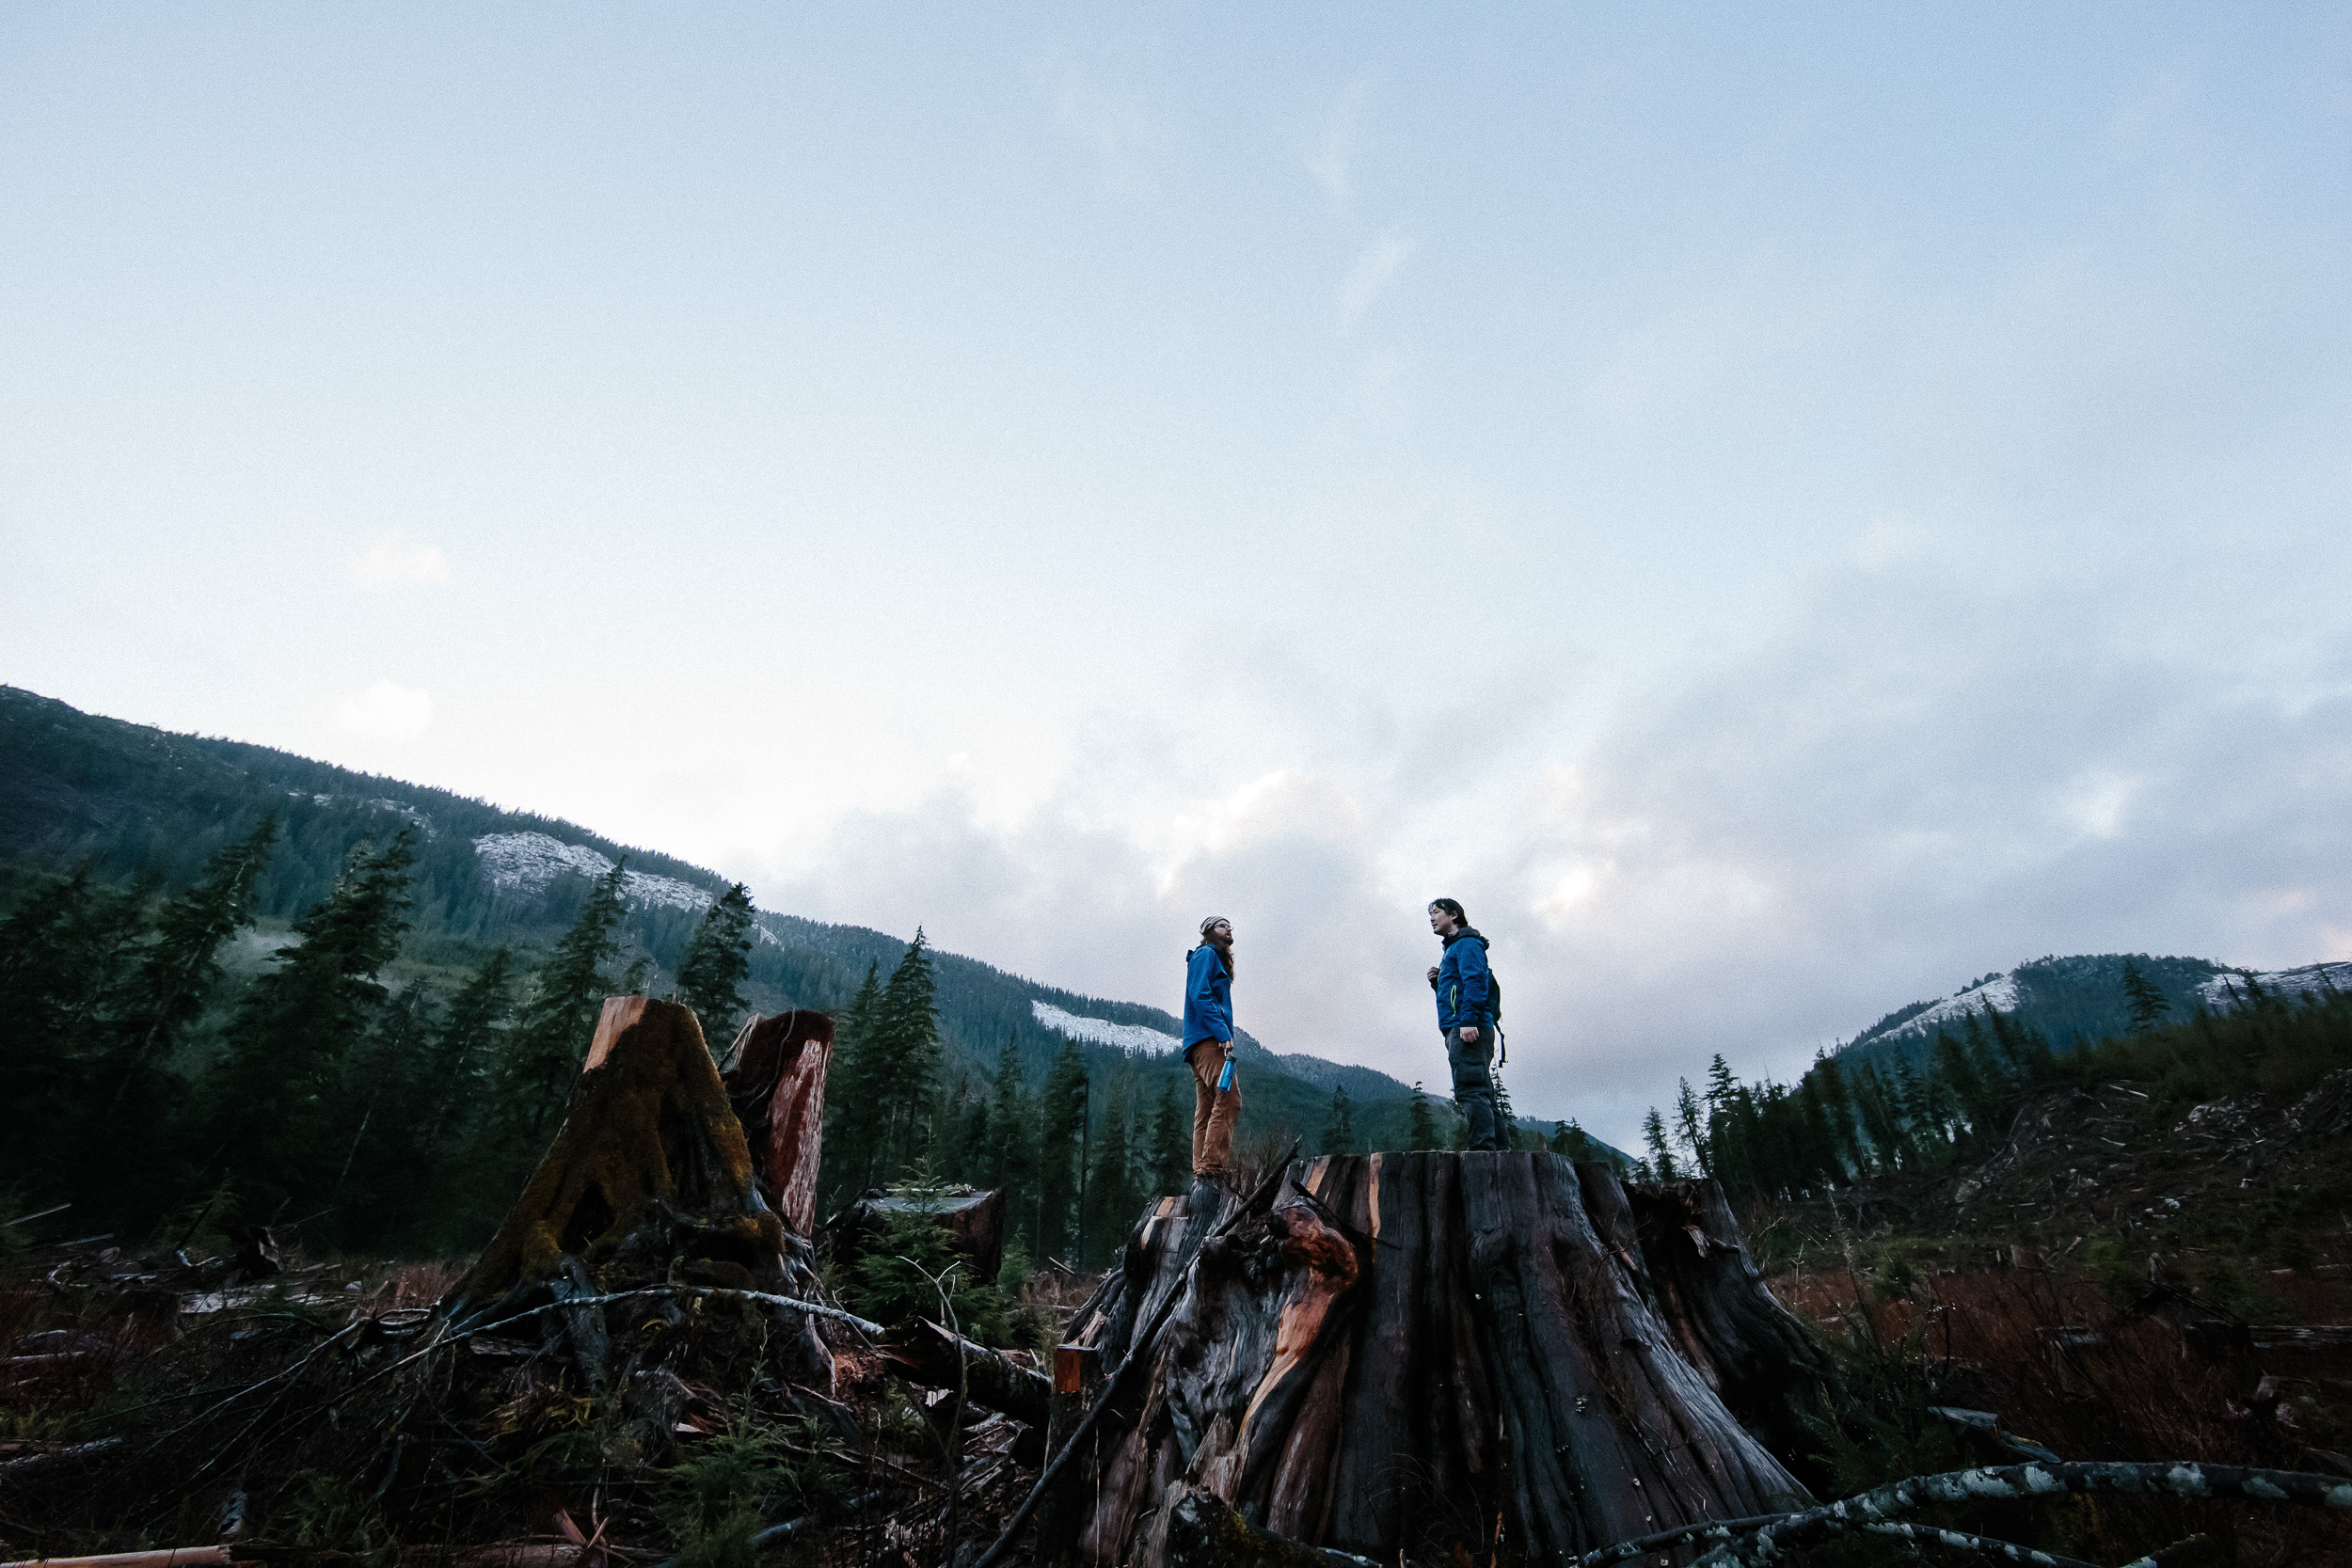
(1879, 1121)
(711, 972)
(1338, 1127)
(177, 972)
(1171, 1142)
(1662, 1154)
(1007, 1155)
(1507, 1119)
(274, 1103)
(1420, 1128)
(1824, 1159)
(65, 954)
(1691, 1128)
(857, 1098)
(386, 1091)
(560, 1021)
(2148, 1006)
(1063, 1121)
(1111, 1198)
(906, 1031)
(1838, 1112)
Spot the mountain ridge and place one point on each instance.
(135, 801)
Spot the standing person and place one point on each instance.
(1209, 1046)
(1468, 1005)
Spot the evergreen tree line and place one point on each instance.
(1837, 1126)
(168, 1098)
(165, 1100)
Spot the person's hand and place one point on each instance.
(1433, 974)
(1470, 1034)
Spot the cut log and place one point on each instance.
(927, 1352)
(973, 1221)
(775, 1079)
(648, 1179)
(1405, 1351)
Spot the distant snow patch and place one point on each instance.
(2225, 991)
(1102, 1031)
(1952, 1012)
(525, 863)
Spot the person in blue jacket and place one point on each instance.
(1209, 1046)
(1468, 1005)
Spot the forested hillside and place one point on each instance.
(315, 997)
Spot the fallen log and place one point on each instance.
(26, 1464)
(776, 1080)
(1406, 1350)
(1202, 1532)
(928, 1355)
(1890, 1503)
(173, 1556)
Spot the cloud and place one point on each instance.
(1126, 140)
(385, 711)
(1374, 271)
(1922, 776)
(399, 561)
(1332, 158)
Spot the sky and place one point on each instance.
(1781, 511)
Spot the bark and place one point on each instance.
(1413, 1352)
(776, 1080)
(648, 1179)
(1765, 1365)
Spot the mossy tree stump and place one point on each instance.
(1404, 1351)
(648, 1179)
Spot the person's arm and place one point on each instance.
(1473, 1008)
(1203, 989)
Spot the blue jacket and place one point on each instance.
(1208, 996)
(1464, 985)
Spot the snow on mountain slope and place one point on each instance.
(2224, 992)
(526, 863)
(1126, 1036)
(1952, 1012)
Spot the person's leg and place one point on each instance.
(1203, 1104)
(1217, 1146)
(1473, 1086)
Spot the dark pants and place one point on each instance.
(1474, 1085)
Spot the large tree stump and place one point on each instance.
(648, 1183)
(775, 1079)
(1767, 1367)
(1404, 1351)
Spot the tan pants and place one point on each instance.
(1212, 1113)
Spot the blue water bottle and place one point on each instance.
(1225, 1079)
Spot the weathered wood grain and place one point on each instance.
(1414, 1352)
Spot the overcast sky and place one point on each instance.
(1780, 510)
